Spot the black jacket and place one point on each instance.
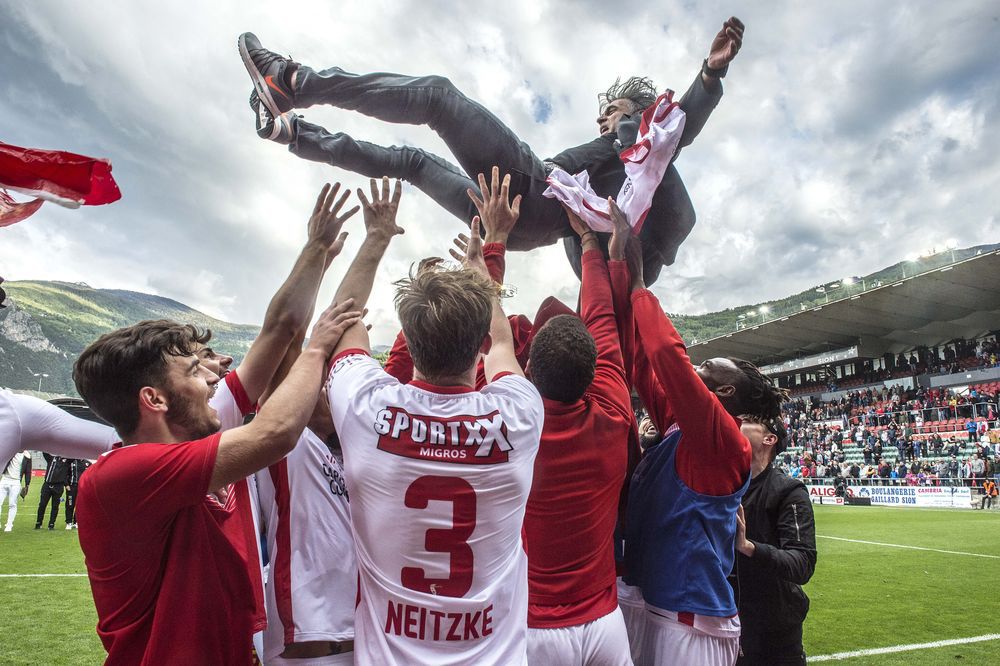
(671, 215)
(57, 469)
(769, 595)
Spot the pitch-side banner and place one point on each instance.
(919, 496)
(824, 495)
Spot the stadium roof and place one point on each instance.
(961, 300)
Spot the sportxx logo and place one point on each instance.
(466, 440)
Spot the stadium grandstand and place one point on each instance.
(890, 383)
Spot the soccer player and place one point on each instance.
(776, 542)
(438, 473)
(286, 319)
(313, 579)
(479, 140)
(169, 564)
(10, 486)
(56, 478)
(684, 495)
(577, 366)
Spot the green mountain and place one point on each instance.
(47, 324)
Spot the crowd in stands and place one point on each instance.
(915, 436)
(958, 356)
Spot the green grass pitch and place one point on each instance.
(863, 596)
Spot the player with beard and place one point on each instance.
(680, 530)
(169, 565)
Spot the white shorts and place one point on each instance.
(668, 641)
(633, 609)
(601, 642)
(329, 660)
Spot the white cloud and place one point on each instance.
(851, 134)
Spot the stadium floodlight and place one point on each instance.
(951, 244)
(764, 309)
(848, 281)
(41, 376)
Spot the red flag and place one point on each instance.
(65, 178)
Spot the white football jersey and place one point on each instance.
(232, 405)
(438, 478)
(312, 584)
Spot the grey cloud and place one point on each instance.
(851, 134)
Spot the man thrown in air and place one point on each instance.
(479, 141)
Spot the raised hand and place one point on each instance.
(577, 224)
(331, 325)
(380, 212)
(324, 224)
(621, 234)
(726, 44)
(498, 215)
(471, 250)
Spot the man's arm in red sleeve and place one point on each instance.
(598, 314)
(400, 364)
(495, 255)
(620, 287)
(713, 456)
(650, 391)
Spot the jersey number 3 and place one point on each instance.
(453, 541)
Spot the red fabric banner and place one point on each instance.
(65, 178)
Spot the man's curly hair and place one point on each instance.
(757, 394)
(637, 89)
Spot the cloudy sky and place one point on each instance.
(851, 135)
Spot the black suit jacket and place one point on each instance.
(671, 216)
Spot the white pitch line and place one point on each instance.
(76, 575)
(904, 648)
(896, 545)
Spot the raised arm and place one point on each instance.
(274, 432)
(380, 227)
(713, 456)
(597, 311)
(497, 219)
(705, 92)
(292, 306)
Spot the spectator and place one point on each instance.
(989, 492)
(77, 467)
(776, 543)
(56, 478)
(10, 485)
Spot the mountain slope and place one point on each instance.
(47, 324)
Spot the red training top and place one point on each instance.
(713, 456)
(168, 565)
(573, 506)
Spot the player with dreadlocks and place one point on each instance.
(680, 527)
(479, 141)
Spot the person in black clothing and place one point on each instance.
(479, 141)
(56, 477)
(776, 553)
(76, 468)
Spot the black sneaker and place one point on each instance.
(270, 73)
(38, 526)
(280, 130)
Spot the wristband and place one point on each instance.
(714, 73)
(587, 233)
